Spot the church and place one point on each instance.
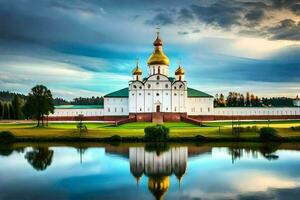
(161, 95)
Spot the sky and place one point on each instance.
(89, 47)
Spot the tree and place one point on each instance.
(1, 110)
(39, 158)
(248, 99)
(6, 111)
(39, 103)
(11, 111)
(17, 104)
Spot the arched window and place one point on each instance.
(153, 70)
(149, 86)
(180, 78)
(158, 69)
(157, 78)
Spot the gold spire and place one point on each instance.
(159, 186)
(179, 70)
(158, 57)
(137, 70)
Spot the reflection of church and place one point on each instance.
(158, 167)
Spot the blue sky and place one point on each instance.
(89, 47)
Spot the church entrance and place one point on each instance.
(158, 108)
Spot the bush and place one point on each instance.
(156, 133)
(295, 128)
(6, 135)
(115, 138)
(268, 134)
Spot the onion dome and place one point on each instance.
(159, 186)
(137, 70)
(158, 57)
(179, 71)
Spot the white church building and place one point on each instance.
(162, 95)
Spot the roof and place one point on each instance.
(118, 94)
(78, 106)
(196, 93)
(124, 93)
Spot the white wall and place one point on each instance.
(115, 106)
(200, 106)
(157, 90)
(75, 112)
(244, 111)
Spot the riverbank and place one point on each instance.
(134, 132)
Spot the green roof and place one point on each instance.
(118, 94)
(124, 93)
(196, 93)
(79, 106)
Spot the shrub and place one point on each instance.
(295, 128)
(268, 134)
(156, 133)
(115, 138)
(6, 135)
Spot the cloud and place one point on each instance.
(287, 29)
(161, 19)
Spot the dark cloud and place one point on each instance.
(182, 32)
(286, 29)
(255, 15)
(161, 19)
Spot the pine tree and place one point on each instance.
(6, 111)
(1, 110)
(16, 103)
(11, 111)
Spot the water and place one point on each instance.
(103, 171)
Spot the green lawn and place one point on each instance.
(177, 129)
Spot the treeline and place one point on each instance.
(8, 96)
(80, 101)
(12, 109)
(235, 99)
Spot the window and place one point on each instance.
(166, 108)
(166, 94)
(122, 109)
(149, 93)
(132, 94)
(115, 109)
(153, 70)
(157, 83)
(140, 94)
(140, 87)
(180, 86)
(157, 94)
(134, 86)
(166, 85)
(140, 109)
(175, 109)
(208, 109)
(149, 86)
(175, 94)
(107, 110)
(157, 78)
(175, 88)
(159, 69)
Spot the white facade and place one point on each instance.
(157, 94)
(115, 106)
(257, 111)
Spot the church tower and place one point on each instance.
(158, 63)
(137, 73)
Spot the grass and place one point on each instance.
(177, 129)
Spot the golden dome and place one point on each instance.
(158, 57)
(137, 70)
(159, 186)
(179, 71)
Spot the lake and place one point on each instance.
(155, 171)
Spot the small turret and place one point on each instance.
(137, 72)
(179, 73)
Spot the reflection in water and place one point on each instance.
(266, 150)
(158, 167)
(155, 168)
(39, 158)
